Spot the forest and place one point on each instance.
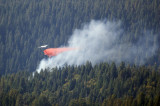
(103, 84)
(27, 24)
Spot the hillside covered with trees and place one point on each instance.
(25, 25)
(104, 84)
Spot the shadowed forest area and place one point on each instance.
(27, 24)
(104, 84)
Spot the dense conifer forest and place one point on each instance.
(103, 84)
(27, 24)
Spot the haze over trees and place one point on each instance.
(27, 24)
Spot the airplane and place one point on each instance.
(44, 46)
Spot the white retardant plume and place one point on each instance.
(99, 41)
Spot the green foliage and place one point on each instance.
(83, 85)
(25, 25)
(41, 101)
